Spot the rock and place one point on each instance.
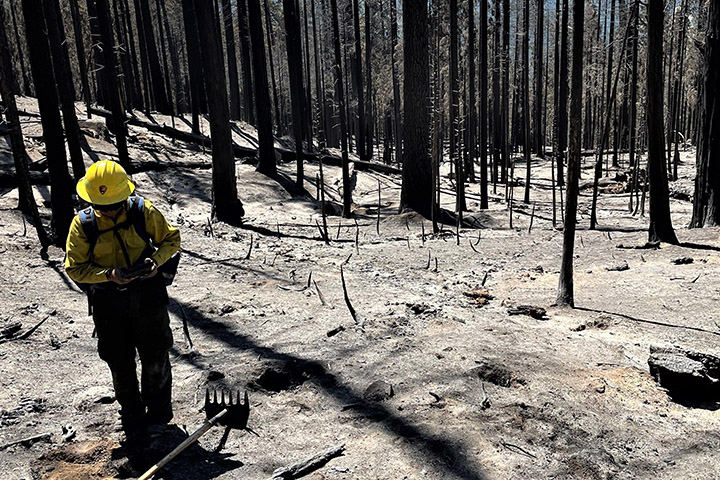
(685, 373)
(537, 313)
(378, 391)
(683, 260)
(495, 373)
(598, 385)
(618, 267)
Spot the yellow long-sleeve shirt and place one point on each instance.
(92, 267)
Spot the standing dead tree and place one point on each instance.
(566, 295)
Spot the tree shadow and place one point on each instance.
(452, 456)
(651, 322)
(698, 246)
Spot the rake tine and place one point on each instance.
(222, 396)
(207, 396)
(215, 396)
(238, 397)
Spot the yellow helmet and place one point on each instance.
(105, 183)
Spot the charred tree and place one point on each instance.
(194, 58)
(470, 105)
(706, 204)
(117, 125)
(63, 80)
(80, 47)
(270, 47)
(526, 97)
(226, 205)
(266, 148)
(360, 143)
(396, 82)
(245, 59)
(26, 202)
(26, 74)
(157, 82)
(337, 69)
(44, 81)
(455, 136)
(483, 117)
(370, 111)
(539, 124)
(661, 228)
(231, 61)
(562, 94)
(417, 188)
(566, 295)
(295, 70)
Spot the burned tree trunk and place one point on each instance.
(266, 149)
(483, 105)
(661, 228)
(43, 78)
(197, 88)
(63, 80)
(231, 62)
(360, 144)
(337, 69)
(417, 188)
(226, 205)
(160, 94)
(566, 295)
(295, 70)
(244, 36)
(26, 202)
(113, 90)
(706, 204)
(539, 125)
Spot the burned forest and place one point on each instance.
(359, 239)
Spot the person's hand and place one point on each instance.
(154, 270)
(115, 275)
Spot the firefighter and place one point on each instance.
(129, 311)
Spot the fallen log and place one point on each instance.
(243, 152)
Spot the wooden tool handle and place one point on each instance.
(188, 441)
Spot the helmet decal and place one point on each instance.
(102, 189)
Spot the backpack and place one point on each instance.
(136, 219)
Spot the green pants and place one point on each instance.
(130, 321)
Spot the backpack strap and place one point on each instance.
(89, 226)
(136, 217)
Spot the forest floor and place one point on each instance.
(429, 382)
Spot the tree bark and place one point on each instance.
(266, 150)
(396, 83)
(44, 81)
(110, 71)
(226, 205)
(360, 143)
(26, 202)
(244, 36)
(566, 295)
(561, 107)
(417, 188)
(539, 125)
(337, 69)
(706, 204)
(526, 98)
(63, 80)
(160, 94)
(661, 228)
(295, 70)
(483, 104)
(231, 61)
